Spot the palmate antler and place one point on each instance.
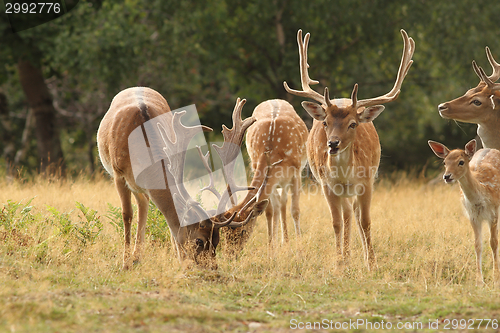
(404, 67)
(176, 149)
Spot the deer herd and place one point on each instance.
(342, 150)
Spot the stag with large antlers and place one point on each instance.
(479, 105)
(343, 149)
(276, 145)
(195, 231)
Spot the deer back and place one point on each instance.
(129, 109)
(485, 167)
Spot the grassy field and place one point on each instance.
(61, 252)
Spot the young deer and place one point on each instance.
(343, 149)
(276, 144)
(479, 105)
(135, 108)
(479, 179)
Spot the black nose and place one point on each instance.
(333, 144)
(442, 107)
(447, 177)
(199, 242)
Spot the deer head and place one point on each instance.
(202, 226)
(456, 162)
(480, 104)
(340, 117)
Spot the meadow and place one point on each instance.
(61, 255)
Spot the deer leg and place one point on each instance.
(347, 215)
(283, 201)
(364, 223)
(295, 189)
(494, 249)
(127, 214)
(142, 216)
(336, 211)
(276, 214)
(269, 218)
(478, 246)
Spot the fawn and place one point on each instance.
(478, 174)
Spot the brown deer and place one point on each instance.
(132, 109)
(275, 142)
(343, 149)
(479, 105)
(479, 179)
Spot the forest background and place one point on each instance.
(57, 80)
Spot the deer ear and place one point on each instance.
(370, 113)
(470, 148)
(439, 149)
(260, 207)
(315, 110)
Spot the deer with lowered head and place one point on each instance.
(276, 145)
(478, 173)
(479, 105)
(131, 109)
(343, 149)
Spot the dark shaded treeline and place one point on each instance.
(58, 79)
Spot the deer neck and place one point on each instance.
(488, 132)
(342, 162)
(470, 186)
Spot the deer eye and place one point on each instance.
(353, 125)
(324, 123)
(461, 163)
(476, 102)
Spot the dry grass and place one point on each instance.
(54, 281)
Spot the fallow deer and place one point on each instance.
(479, 105)
(275, 142)
(479, 179)
(133, 108)
(343, 149)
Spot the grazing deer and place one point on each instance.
(131, 109)
(479, 105)
(479, 179)
(278, 138)
(343, 149)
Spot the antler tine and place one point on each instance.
(495, 65)
(404, 67)
(234, 137)
(211, 186)
(304, 73)
(229, 151)
(485, 78)
(258, 195)
(176, 151)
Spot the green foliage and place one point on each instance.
(87, 229)
(157, 227)
(114, 215)
(16, 215)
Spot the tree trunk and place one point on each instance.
(6, 137)
(47, 136)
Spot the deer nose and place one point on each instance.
(333, 144)
(447, 178)
(442, 107)
(199, 242)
